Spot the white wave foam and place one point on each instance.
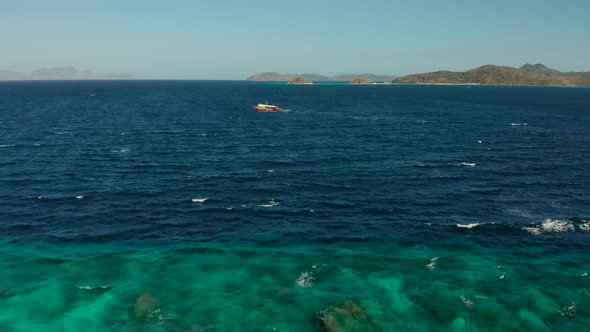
(585, 226)
(42, 197)
(271, 171)
(569, 311)
(270, 204)
(551, 226)
(160, 316)
(502, 276)
(432, 265)
(80, 197)
(467, 302)
(92, 287)
(305, 280)
(468, 226)
(585, 274)
(518, 124)
(6, 145)
(199, 200)
(467, 164)
(479, 142)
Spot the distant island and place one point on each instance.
(528, 74)
(300, 80)
(278, 77)
(60, 73)
(361, 81)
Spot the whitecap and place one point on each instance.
(271, 171)
(432, 265)
(467, 164)
(92, 287)
(569, 311)
(80, 197)
(518, 124)
(425, 165)
(42, 197)
(199, 200)
(468, 226)
(502, 276)
(585, 274)
(305, 280)
(479, 142)
(467, 301)
(270, 204)
(160, 316)
(551, 226)
(585, 227)
(6, 145)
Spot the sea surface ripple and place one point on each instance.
(171, 206)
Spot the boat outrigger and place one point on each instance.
(266, 108)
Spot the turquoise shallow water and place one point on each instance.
(170, 206)
(443, 287)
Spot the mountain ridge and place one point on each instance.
(278, 77)
(528, 74)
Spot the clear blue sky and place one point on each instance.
(232, 39)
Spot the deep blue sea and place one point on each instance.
(171, 206)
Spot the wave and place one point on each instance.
(6, 145)
(270, 204)
(551, 226)
(92, 287)
(518, 124)
(468, 226)
(199, 200)
(305, 279)
(80, 197)
(425, 165)
(467, 164)
(432, 265)
(467, 301)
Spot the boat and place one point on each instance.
(266, 108)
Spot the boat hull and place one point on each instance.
(266, 109)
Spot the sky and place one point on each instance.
(202, 39)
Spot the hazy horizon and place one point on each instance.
(225, 40)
